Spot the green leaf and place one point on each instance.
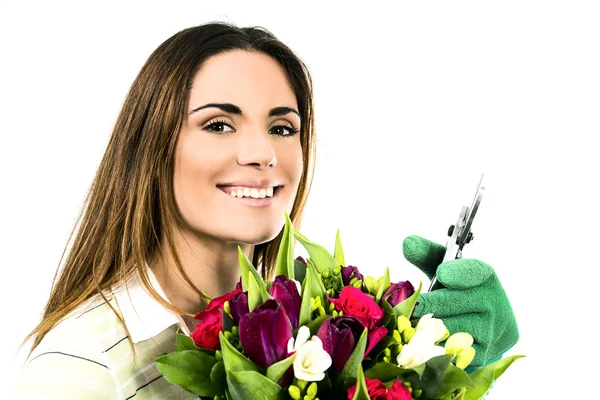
(387, 372)
(218, 374)
(276, 371)
(257, 291)
(383, 286)
(233, 359)
(228, 322)
(191, 370)
(299, 270)
(454, 378)
(389, 318)
(351, 367)
(433, 375)
(319, 255)
(305, 314)
(184, 342)
(338, 252)
(316, 288)
(484, 377)
(407, 306)
(254, 296)
(362, 393)
(285, 256)
(251, 385)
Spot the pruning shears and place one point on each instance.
(460, 234)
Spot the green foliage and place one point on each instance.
(191, 370)
(318, 254)
(383, 286)
(484, 377)
(276, 371)
(361, 386)
(285, 255)
(338, 252)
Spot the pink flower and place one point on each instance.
(353, 302)
(378, 391)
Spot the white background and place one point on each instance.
(413, 103)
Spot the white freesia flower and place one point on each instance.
(417, 352)
(433, 328)
(311, 360)
(422, 345)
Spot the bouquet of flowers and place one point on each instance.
(322, 330)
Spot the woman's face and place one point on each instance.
(241, 136)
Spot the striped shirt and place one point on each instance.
(88, 355)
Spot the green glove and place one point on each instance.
(472, 299)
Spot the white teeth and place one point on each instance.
(254, 193)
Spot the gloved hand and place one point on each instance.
(472, 299)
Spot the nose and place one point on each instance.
(256, 149)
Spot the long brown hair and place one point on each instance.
(130, 200)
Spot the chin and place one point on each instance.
(256, 237)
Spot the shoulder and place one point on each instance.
(70, 360)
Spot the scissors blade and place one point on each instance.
(460, 233)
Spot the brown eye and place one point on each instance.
(218, 127)
(283, 130)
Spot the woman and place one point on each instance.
(215, 141)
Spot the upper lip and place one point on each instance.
(252, 183)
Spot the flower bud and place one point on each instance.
(226, 307)
(321, 311)
(407, 334)
(357, 284)
(325, 273)
(465, 357)
(301, 383)
(372, 285)
(396, 336)
(234, 330)
(312, 390)
(294, 392)
(458, 342)
(403, 323)
(313, 305)
(337, 270)
(218, 355)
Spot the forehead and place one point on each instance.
(251, 80)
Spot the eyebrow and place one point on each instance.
(233, 109)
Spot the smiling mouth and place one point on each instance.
(241, 192)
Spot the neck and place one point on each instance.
(211, 264)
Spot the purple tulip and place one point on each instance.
(299, 258)
(264, 333)
(399, 292)
(350, 272)
(339, 336)
(238, 305)
(286, 291)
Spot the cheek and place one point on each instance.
(291, 159)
